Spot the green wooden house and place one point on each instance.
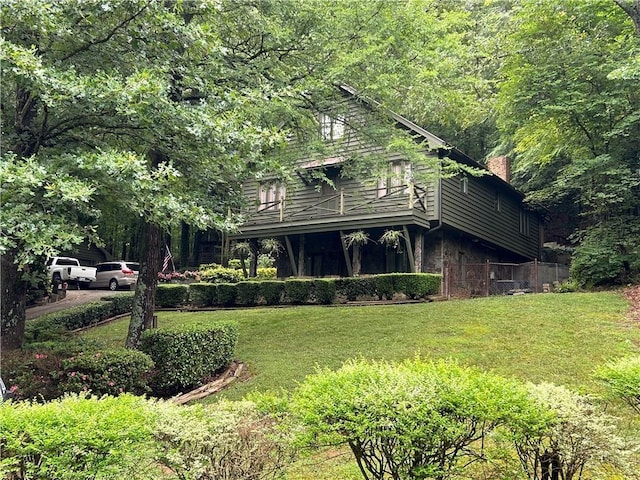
(435, 222)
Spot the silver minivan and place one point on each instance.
(116, 274)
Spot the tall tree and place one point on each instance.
(159, 110)
(569, 105)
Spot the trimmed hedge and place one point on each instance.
(226, 294)
(171, 296)
(324, 291)
(202, 294)
(54, 325)
(413, 285)
(185, 359)
(297, 291)
(247, 293)
(271, 291)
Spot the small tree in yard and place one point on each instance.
(413, 420)
(572, 438)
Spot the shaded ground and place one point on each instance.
(73, 298)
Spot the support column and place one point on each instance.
(418, 249)
(292, 258)
(347, 258)
(301, 272)
(412, 264)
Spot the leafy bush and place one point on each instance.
(226, 294)
(48, 370)
(323, 291)
(171, 296)
(607, 253)
(202, 294)
(247, 293)
(185, 358)
(297, 291)
(414, 419)
(232, 441)
(53, 325)
(385, 286)
(622, 377)
(219, 274)
(76, 438)
(107, 372)
(267, 273)
(570, 436)
(271, 291)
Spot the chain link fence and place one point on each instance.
(483, 279)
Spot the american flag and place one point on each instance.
(167, 258)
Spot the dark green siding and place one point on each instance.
(475, 214)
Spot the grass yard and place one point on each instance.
(558, 338)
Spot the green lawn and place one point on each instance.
(558, 338)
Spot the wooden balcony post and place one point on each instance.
(342, 201)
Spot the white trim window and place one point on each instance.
(524, 223)
(331, 128)
(270, 194)
(399, 174)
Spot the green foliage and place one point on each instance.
(76, 438)
(267, 273)
(106, 372)
(271, 291)
(608, 253)
(622, 377)
(202, 294)
(56, 324)
(569, 434)
(219, 274)
(171, 296)
(297, 291)
(230, 441)
(415, 419)
(359, 237)
(187, 357)
(324, 291)
(226, 294)
(247, 293)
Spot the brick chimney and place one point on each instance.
(500, 166)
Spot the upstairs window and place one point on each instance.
(331, 128)
(398, 175)
(270, 194)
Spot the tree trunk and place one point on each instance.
(13, 301)
(631, 8)
(144, 298)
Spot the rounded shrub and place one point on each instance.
(226, 294)
(297, 291)
(247, 293)
(412, 420)
(323, 291)
(171, 296)
(187, 357)
(78, 437)
(202, 294)
(107, 372)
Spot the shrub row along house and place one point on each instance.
(405, 221)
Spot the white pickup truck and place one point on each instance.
(69, 270)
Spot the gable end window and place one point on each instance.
(464, 185)
(270, 194)
(331, 128)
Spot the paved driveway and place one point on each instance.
(73, 298)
